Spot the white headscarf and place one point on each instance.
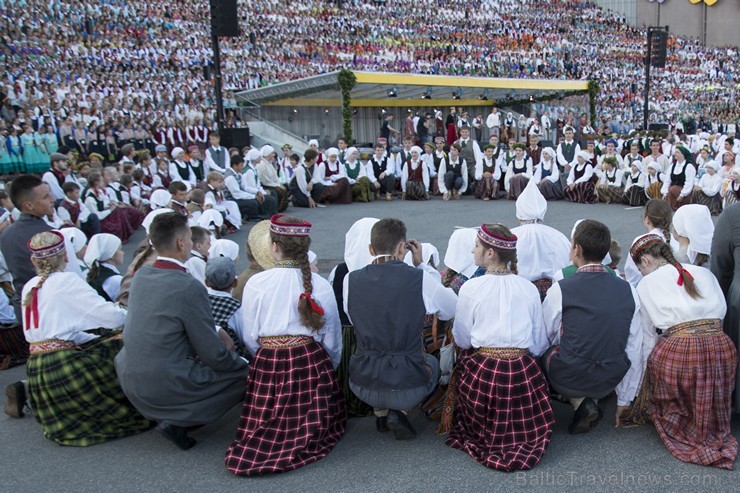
(224, 248)
(417, 150)
(147, 223)
(694, 221)
(357, 244)
(77, 238)
(311, 257)
(253, 155)
(176, 152)
(267, 150)
(550, 152)
(712, 164)
(210, 218)
(313, 142)
(637, 163)
(332, 151)
(102, 247)
(585, 155)
(160, 198)
(459, 255)
(531, 204)
(428, 251)
(350, 151)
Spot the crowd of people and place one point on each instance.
(534, 318)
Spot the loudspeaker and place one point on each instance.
(235, 137)
(658, 48)
(657, 127)
(224, 20)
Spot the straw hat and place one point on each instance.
(259, 243)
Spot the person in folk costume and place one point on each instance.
(415, 177)
(428, 158)
(220, 279)
(356, 256)
(487, 175)
(176, 198)
(196, 164)
(403, 155)
(635, 184)
(188, 391)
(149, 179)
(104, 253)
(180, 168)
(542, 251)
(285, 168)
(680, 179)
(611, 151)
(132, 215)
(439, 125)
(216, 155)
(305, 186)
(452, 177)
(15, 151)
(571, 269)
(72, 211)
(510, 128)
(656, 218)
(593, 324)
(331, 174)
(249, 183)
(296, 350)
(656, 156)
(518, 172)
(580, 186)
(57, 175)
(731, 192)
(132, 193)
(728, 164)
(689, 363)
(314, 145)
(159, 136)
(633, 154)
(438, 155)
(451, 126)
(567, 152)
(128, 151)
(547, 175)
(691, 235)
(503, 414)
(708, 190)
(610, 188)
(534, 151)
(654, 179)
(269, 178)
(381, 173)
(110, 215)
(72, 384)
(470, 152)
(249, 205)
(362, 189)
(215, 200)
(390, 370)
(196, 264)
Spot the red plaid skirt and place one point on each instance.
(122, 222)
(692, 374)
(339, 193)
(294, 411)
(503, 414)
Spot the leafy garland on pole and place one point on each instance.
(347, 82)
(593, 93)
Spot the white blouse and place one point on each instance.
(68, 306)
(500, 311)
(270, 308)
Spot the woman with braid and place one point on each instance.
(72, 381)
(657, 219)
(689, 362)
(294, 410)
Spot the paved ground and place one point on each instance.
(607, 459)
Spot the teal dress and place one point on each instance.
(16, 154)
(30, 153)
(6, 165)
(44, 155)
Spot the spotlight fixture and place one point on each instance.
(354, 111)
(392, 93)
(383, 111)
(295, 110)
(484, 95)
(457, 94)
(326, 110)
(427, 94)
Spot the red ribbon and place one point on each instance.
(314, 306)
(32, 310)
(681, 272)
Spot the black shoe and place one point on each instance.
(177, 435)
(585, 416)
(399, 424)
(16, 393)
(381, 423)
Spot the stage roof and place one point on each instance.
(372, 90)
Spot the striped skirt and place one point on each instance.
(338, 193)
(714, 203)
(674, 199)
(516, 186)
(415, 190)
(486, 188)
(610, 195)
(582, 193)
(653, 191)
(503, 414)
(355, 407)
(635, 196)
(294, 411)
(551, 190)
(75, 394)
(692, 376)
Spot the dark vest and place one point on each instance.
(117, 192)
(416, 174)
(97, 284)
(338, 286)
(225, 190)
(634, 179)
(198, 170)
(468, 152)
(523, 169)
(456, 168)
(597, 313)
(577, 174)
(387, 310)
(183, 172)
(379, 168)
(568, 151)
(679, 178)
(438, 160)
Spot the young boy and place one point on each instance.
(179, 192)
(302, 187)
(254, 201)
(196, 264)
(227, 313)
(215, 200)
(72, 211)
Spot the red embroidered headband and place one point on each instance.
(48, 251)
(289, 229)
(642, 244)
(494, 240)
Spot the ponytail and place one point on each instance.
(685, 276)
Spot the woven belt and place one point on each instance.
(50, 346)
(502, 352)
(696, 328)
(280, 342)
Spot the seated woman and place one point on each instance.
(693, 229)
(487, 175)
(689, 371)
(415, 177)
(294, 411)
(731, 192)
(332, 175)
(634, 189)
(580, 183)
(654, 181)
(72, 381)
(610, 188)
(679, 179)
(362, 189)
(103, 254)
(504, 418)
(114, 218)
(547, 175)
(518, 173)
(708, 190)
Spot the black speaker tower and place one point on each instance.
(224, 23)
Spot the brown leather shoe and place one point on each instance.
(16, 393)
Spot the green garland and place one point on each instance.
(347, 82)
(593, 93)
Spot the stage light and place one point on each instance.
(427, 94)
(326, 110)
(484, 95)
(392, 93)
(295, 110)
(457, 94)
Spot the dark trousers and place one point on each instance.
(387, 184)
(453, 181)
(249, 208)
(301, 200)
(269, 206)
(91, 226)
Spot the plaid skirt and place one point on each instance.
(610, 195)
(415, 190)
(294, 411)
(121, 222)
(13, 346)
(339, 193)
(582, 193)
(362, 190)
(486, 188)
(673, 197)
(635, 196)
(516, 186)
(355, 407)
(692, 375)
(714, 203)
(76, 396)
(503, 414)
(551, 190)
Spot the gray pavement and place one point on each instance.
(605, 460)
